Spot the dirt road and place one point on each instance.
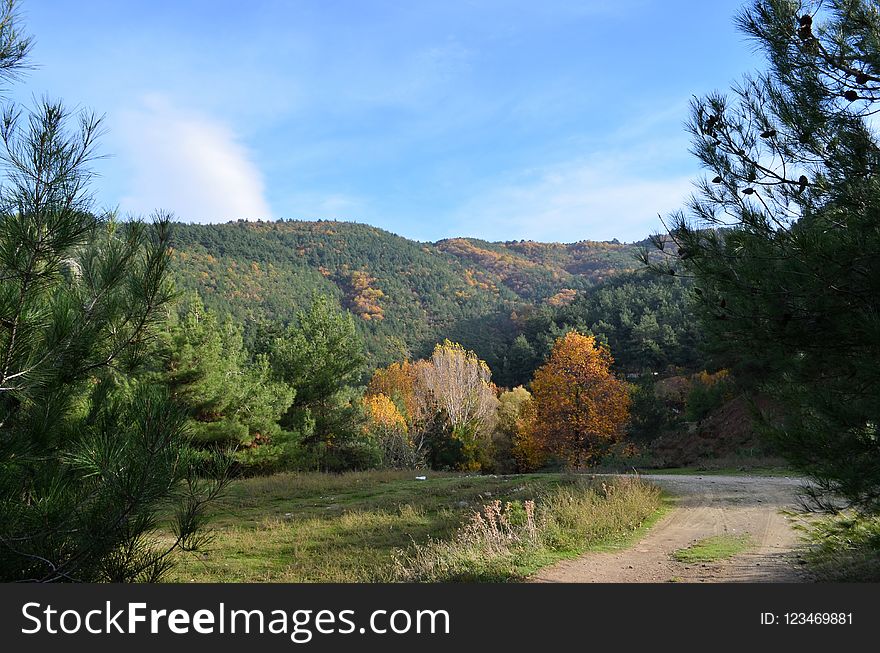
(706, 506)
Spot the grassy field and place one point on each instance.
(374, 526)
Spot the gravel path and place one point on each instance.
(706, 506)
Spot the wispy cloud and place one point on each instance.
(596, 198)
(190, 164)
(632, 174)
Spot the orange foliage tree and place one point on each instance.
(383, 414)
(581, 408)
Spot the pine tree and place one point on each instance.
(782, 238)
(90, 458)
(321, 356)
(231, 401)
(521, 361)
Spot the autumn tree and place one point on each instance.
(782, 237)
(402, 383)
(399, 382)
(462, 389)
(387, 425)
(581, 408)
(449, 397)
(528, 451)
(515, 446)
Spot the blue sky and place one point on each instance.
(546, 119)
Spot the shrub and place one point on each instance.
(845, 548)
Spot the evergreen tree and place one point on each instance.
(90, 458)
(231, 402)
(321, 356)
(782, 238)
(521, 361)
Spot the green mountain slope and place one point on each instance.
(406, 295)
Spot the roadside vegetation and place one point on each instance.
(509, 540)
(843, 548)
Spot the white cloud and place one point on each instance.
(186, 163)
(596, 199)
(632, 174)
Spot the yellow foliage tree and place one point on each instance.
(387, 425)
(383, 414)
(462, 386)
(528, 451)
(581, 408)
(399, 382)
(453, 383)
(515, 448)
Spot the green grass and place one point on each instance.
(620, 540)
(713, 549)
(627, 539)
(357, 527)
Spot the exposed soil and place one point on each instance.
(727, 431)
(706, 506)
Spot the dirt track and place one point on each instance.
(706, 506)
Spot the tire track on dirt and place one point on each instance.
(706, 506)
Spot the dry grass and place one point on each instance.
(504, 542)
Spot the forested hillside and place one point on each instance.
(406, 295)
(336, 345)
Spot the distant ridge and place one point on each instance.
(405, 294)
